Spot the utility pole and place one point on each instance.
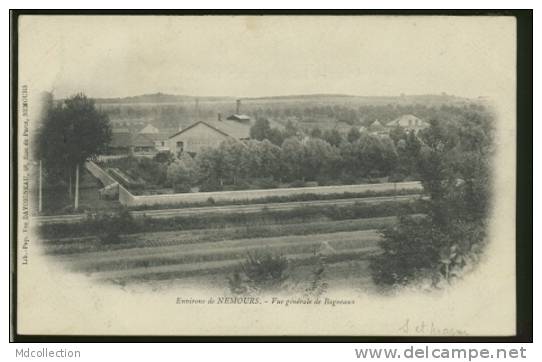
(40, 192)
(76, 187)
(70, 185)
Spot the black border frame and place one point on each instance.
(524, 186)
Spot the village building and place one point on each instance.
(201, 134)
(149, 129)
(239, 118)
(377, 128)
(143, 144)
(408, 122)
(208, 134)
(121, 142)
(160, 140)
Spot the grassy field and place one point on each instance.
(207, 250)
(91, 244)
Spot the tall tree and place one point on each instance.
(235, 158)
(73, 132)
(260, 130)
(293, 158)
(333, 137)
(320, 158)
(181, 174)
(353, 135)
(454, 164)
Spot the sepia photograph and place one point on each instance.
(273, 175)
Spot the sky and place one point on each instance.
(253, 56)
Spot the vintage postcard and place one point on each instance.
(277, 175)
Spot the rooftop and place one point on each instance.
(229, 128)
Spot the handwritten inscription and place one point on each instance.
(429, 328)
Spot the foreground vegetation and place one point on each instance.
(455, 168)
(214, 254)
(110, 226)
(261, 229)
(260, 164)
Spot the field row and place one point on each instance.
(87, 245)
(166, 255)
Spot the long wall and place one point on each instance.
(127, 199)
(99, 173)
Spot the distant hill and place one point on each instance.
(160, 98)
(427, 99)
(157, 98)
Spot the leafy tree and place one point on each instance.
(72, 132)
(235, 160)
(290, 129)
(454, 167)
(263, 159)
(320, 158)
(293, 158)
(316, 132)
(166, 157)
(397, 134)
(408, 151)
(375, 155)
(181, 174)
(260, 130)
(276, 137)
(353, 135)
(211, 169)
(333, 137)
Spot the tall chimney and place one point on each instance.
(197, 109)
(219, 116)
(238, 108)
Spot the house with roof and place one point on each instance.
(376, 127)
(149, 129)
(239, 118)
(121, 142)
(143, 144)
(205, 134)
(160, 140)
(408, 122)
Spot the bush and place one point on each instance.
(396, 177)
(164, 157)
(408, 254)
(181, 188)
(297, 183)
(265, 183)
(210, 185)
(260, 272)
(348, 179)
(109, 227)
(188, 222)
(241, 185)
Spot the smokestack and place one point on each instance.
(219, 116)
(238, 108)
(197, 109)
